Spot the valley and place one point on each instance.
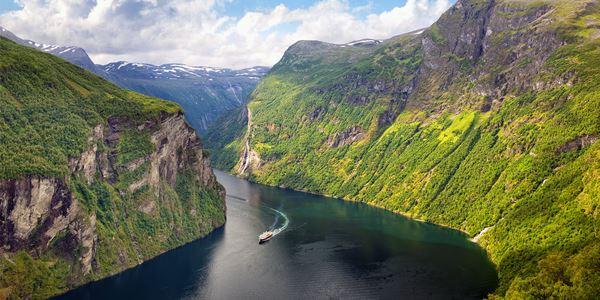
(487, 119)
(326, 247)
(459, 160)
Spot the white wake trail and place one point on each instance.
(285, 224)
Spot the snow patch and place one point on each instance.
(364, 42)
(186, 71)
(67, 50)
(123, 64)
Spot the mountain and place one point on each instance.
(487, 122)
(74, 55)
(205, 93)
(94, 179)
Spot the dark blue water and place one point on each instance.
(330, 249)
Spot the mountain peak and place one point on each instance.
(72, 54)
(176, 71)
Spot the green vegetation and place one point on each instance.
(49, 106)
(42, 278)
(525, 163)
(48, 110)
(126, 233)
(224, 138)
(133, 145)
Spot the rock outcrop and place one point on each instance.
(35, 211)
(345, 137)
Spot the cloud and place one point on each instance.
(194, 32)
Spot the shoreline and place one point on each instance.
(117, 273)
(467, 234)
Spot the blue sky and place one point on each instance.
(220, 33)
(6, 5)
(238, 8)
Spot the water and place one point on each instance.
(324, 248)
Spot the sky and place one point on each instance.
(219, 33)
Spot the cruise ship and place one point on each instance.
(265, 236)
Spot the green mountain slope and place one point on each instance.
(93, 179)
(488, 122)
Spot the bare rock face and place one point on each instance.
(346, 137)
(34, 210)
(87, 163)
(177, 148)
(249, 159)
(472, 38)
(177, 145)
(26, 204)
(577, 143)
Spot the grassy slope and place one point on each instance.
(224, 138)
(48, 108)
(446, 161)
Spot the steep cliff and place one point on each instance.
(93, 179)
(489, 119)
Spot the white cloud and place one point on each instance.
(193, 32)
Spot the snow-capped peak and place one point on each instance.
(174, 71)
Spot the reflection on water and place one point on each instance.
(329, 249)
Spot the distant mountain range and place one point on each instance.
(205, 93)
(74, 55)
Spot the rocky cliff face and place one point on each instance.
(35, 210)
(41, 215)
(499, 45)
(93, 179)
(177, 148)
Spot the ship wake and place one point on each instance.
(279, 215)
